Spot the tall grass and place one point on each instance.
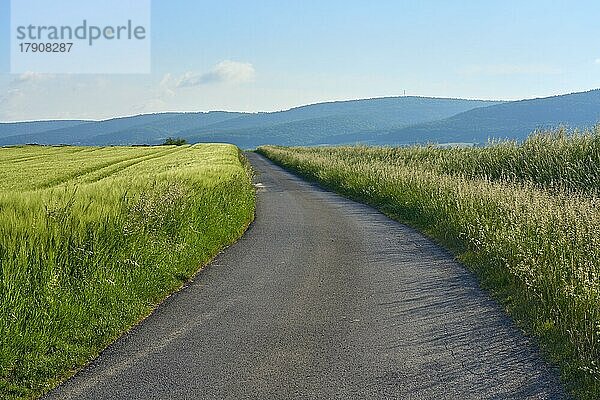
(532, 237)
(81, 260)
(557, 159)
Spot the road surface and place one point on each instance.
(323, 298)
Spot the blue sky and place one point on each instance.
(267, 55)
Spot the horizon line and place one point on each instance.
(291, 108)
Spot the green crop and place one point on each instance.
(91, 239)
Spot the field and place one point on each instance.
(91, 239)
(524, 217)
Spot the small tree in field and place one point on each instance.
(174, 141)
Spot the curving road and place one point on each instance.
(323, 298)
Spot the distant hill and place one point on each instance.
(316, 124)
(312, 124)
(139, 129)
(514, 120)
(29, 128)
(155, 131)
(386, 111)
(379, 121)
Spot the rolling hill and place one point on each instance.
(139, 129)
(318, 123)
(379, 121)
(8, 129)
(312, 124)
(512, 120)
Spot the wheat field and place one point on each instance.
(91, 239)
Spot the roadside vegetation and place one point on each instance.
(524, 217)
(174, 141)
(91, 239)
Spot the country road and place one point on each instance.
(323, 298)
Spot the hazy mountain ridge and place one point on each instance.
(157, 131)
(382, 121)
(32, 127)
(512, 120)
(311, 124)
(123, 130)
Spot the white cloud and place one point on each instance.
(231, 72)
(45, 96)
(12, 102)
(597, 61)
(166, 86)
(48, 96)
(11, 95)
(32, 77)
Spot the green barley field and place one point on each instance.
(524, 217)
(91, 239)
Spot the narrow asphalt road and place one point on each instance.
(323, 298)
